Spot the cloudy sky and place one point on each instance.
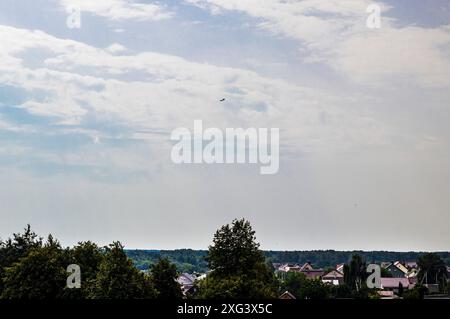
(86, 115)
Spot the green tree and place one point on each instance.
(88, 256)
(432, 270)
(164, 275)
(238, 268)
(340, 291)
(15, 248)
(418, 292)
(385, 273)
(355, 273)
(40, 274)
(117, 278)
(400, 289)
(303, 288)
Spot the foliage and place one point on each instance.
(164, 275)
(340, 292)
(188, 260)
(238, 267)
(432, 270)
(385, 273)
(418, 292)
(31, 268)
(117, 278)
(13, 249)
(88, 256)
(355, 273)
(39, 274)
(304, 288)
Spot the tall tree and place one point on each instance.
(432, 270)
(164, 275)
(117, 278)
(355, 273)
(38, 275)
(304, 288)
(15, 248)
(238, 268)
(88, 257)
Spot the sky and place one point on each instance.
(86, 116)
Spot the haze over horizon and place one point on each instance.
(86, 116)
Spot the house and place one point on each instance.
(448, 274)
(186, 279)
(411, 265)
(334, 277)
(313, 273)
(340, 268)
(306, 266)
(413, 278)
(289, 267)
(384, 264)
(412, 274)
(387, 294)
(186, 282)
(287, 295)
(400, 266)
(395, 271)
(393, 284)
(276, 265)
(202, 276)
(188, 290)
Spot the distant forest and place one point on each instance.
(188, 260)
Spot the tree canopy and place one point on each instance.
(238, 267)
(164, 275)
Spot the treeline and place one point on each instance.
(190, 261)
(186, 260)
(330, 258)
(34, 268)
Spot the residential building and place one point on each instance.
(287, 295)
(186, 282)
(334, 277)
(395, 271)
(393, 284)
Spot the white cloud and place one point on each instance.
(116, 48)
(335, 33)
(120, 9)
(173, 92)
(130, 102)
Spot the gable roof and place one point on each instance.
(306, 266)
(289, 267)
(334, 274)
(186, 279)
(287, 295)
(400, 266)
